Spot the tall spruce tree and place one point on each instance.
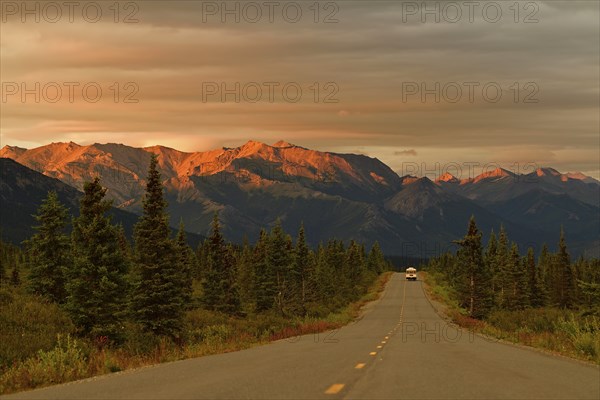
(520, 281)
(503, 273)
(545, 265)
(510, 272)
(246, 279)
(96, 280)
(187, 261)
(266, 288)
(280, 264)
(302, 271)
(537, 289)
(354, 268)
(220, 290)
(566, 283)
(49, 251)
(475, 290)
(202, 260)
(231, 301)
(335, 256)
(491, 260)
(376, 260)
(157, 301)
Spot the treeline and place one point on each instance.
(498, 277)
(104, 283)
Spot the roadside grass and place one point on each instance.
(28, 324)
(561, 331)
(53, 355)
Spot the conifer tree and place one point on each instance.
(475, 290)
(49, 251)
(280, 264)
(266, 288)
(202, 260)
(503, 271)
(302, 271)
(537, 289)
(325, 277)
(15, 276)
(186, 266)
(520, 281)
(96, 280)
(220, 291)
(232, 293)
(157, 301)
(591, 296)
(212, 283)
(545, 265)
(335, 257)
(510, 272)
(376, 260)
(354, 268)
(566, 287)
(246, 279)
(491, 260)
(123, 242)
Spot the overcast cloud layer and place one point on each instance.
(544, 56)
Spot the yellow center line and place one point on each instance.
(360, 365)
(372, 353)
(335, 388)
(380, 346)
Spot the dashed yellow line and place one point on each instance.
(335, 388)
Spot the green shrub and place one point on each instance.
(535, 320)
(588, 344)
(65, 362)
(28, 324)
(584, 333)
(137, 342)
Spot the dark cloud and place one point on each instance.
(370, 54)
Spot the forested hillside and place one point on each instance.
(106, 304)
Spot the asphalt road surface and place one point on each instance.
(399, 349)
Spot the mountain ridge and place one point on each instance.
(252, 147)
(341, 195)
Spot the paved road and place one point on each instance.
(400, 349)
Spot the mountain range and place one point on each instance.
(347, 196)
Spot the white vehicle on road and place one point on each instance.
(411, 273)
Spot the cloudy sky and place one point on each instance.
(419, 86)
